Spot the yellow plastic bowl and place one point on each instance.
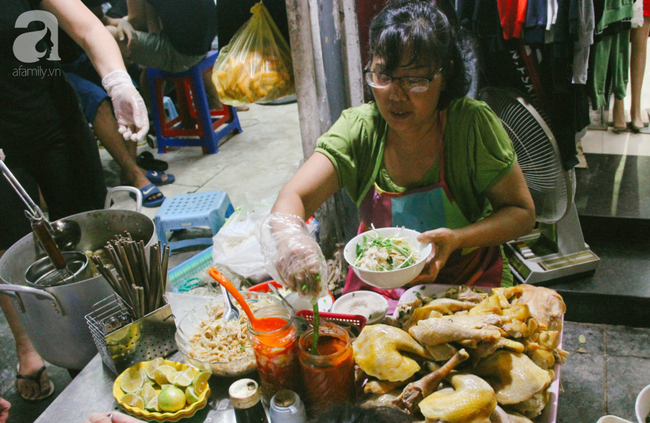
(187, 411)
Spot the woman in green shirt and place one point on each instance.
(421, 156)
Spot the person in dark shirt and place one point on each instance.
(45, 137)
(169, 35)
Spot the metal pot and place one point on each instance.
(54, 317)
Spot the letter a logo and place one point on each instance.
(25, 45)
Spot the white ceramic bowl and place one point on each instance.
(355, 302)
(392, 278)
(642, 405)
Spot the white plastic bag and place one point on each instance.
(236, 244)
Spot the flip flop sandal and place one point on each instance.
(157, 178)
(147, 191)
(37, 380)
(146, 161)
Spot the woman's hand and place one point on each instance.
(444, 242)
(293, 254)
(4, 410)
(114, 417)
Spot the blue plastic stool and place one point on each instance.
(170, 109)
(196, 124)
(199, 209)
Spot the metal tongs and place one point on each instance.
(42, 228)
(33, 212)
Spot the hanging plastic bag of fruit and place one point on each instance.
(256, 65)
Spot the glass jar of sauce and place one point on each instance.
(245, 398)
(328, 376)
(276, 351)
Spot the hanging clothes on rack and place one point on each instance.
(513, 17)
(610, 53)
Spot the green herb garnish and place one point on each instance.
(400, 252)
(316, 323)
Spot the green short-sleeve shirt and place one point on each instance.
(478, 153)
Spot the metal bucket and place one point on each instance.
(54, 316)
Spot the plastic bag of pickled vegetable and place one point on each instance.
(256, 65)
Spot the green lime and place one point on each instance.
(191, 395)
(147, 392)
(164, 374)
(184, 378)
(133, 400)
(131, 381)
(171, 399)
(153, 365)
(152, 405)
(200, 382)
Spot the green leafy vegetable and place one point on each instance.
(384, 253)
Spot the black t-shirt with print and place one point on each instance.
(35, 98)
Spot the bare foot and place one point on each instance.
(29, 365)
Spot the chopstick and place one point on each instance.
(139, 282)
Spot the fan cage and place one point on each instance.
(537, 152)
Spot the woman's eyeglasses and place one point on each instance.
(414, 84)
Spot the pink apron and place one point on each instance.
(425, 209)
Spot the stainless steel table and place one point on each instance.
(92, 392)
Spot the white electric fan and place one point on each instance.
(556, 249)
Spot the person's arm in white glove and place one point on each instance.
(291, 253)
(102, 50)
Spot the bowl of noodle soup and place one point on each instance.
(212, 345)
(387, 258)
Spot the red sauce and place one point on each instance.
(328, 377)
(328, 345)
(277, 359)
(269, 324)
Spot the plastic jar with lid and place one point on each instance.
(276, 352)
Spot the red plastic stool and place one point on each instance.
(188, 129)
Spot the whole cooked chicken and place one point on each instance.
(436, 308)
(471, 401)
(379, 351)
(514, 377)
(436, 331)
(545, 305)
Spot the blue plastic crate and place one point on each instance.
(189, 269)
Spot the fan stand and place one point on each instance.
(552, 252)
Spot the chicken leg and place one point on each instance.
(415, 392)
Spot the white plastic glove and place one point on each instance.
(128, 105)
(2, 155)
(292, 255)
